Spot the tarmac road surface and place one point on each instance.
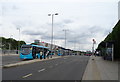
(64, 68)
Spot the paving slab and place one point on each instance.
(100, 69)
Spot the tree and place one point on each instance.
(5, 43)
(113, 37)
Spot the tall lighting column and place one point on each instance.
(52, 31)
(19, 41)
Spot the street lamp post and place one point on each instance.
(52, 31)
(19, 41)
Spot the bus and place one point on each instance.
(63, 51)
(29, 51)
(60, 51)
(88, 53)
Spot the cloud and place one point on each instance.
(58, 1)
(61, 24)
(85, 22)
(82, 39)
(8, 7)
(85, 36)
(22, 23)
(59, 36)
(67, 21)
(32, 33)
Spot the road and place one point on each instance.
(10, 59)
(64, 68)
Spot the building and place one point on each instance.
(119, 10)
(37, 41)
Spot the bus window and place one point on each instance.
(25, 50)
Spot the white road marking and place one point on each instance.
(56, 64)
(41, 70)
(27, 75)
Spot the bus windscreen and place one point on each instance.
(25, 50)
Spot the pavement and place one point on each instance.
(63, 68)
(100, 69)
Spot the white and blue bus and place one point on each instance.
(29, 51)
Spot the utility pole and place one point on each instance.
(65, 35)
(74, 43)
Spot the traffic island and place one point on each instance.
(28, 62)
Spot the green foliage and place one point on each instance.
(108, 38)
(114, 37)
(5, 43)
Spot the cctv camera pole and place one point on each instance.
(94, 42)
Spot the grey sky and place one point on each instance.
(119, 10)
(85, 19)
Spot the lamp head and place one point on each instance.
(49, 14)
(56, 13)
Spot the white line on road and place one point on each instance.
(56, 64)
(27, 75)
(41, 70)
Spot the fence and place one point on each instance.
(5, 52)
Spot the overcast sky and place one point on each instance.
(84, 20)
